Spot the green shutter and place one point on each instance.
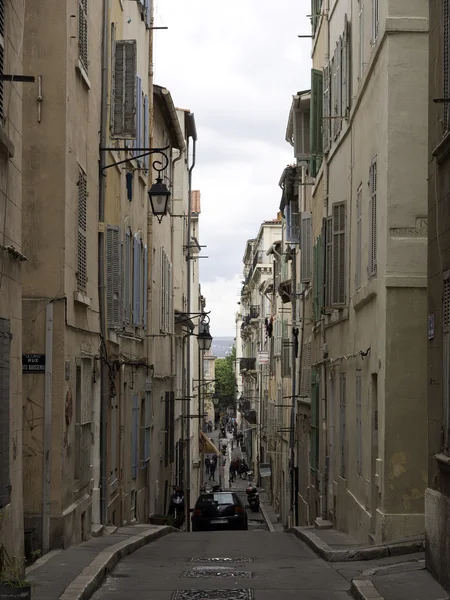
(316, 120)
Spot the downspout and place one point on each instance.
(46, 482)
(293, 388)
(101, 262)
(188, 365)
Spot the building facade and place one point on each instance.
(437, 497)
(60, 281)
(366, 233)
(12, 260)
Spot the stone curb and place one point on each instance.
(360, 553)
(363, 589)
(85, 584)
(266, 518)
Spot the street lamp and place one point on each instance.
(159, 199)
(204, 337)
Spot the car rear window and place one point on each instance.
(219, 498)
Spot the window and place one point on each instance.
(137, 281)
(2, 53)
(316, 120)
(318, 278)
(338, 279)
(166, 314)
(123, 111)
(358, 238)
(146, 426)
(83, 34)
(134, 437)
(342, 424)
(358, 422)
(337, 96)
(82, 224)
(314, 440)
(5, 350)
(113, 277)
(292, 223)
(326, 125)
(316, 6)
(446, 359)
(306, 248)
(361, 40)
(375, 20)
(145, 288)
(83, 422)
(286, 352)
(278, 337)
(372, 269)
(207, 368)
(305, 384)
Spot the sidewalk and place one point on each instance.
(391, 571)
(75, 573)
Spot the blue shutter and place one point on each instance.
(146, 132)
(134, 437)
(144, 295)
(136, 281)
(148, 13)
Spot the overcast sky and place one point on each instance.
(235, 64)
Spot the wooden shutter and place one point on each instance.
(146, 143)
(123, 111)
(358, 262)
(372, 270)
(342, 424)
(358, 422)
(145, 289)
(446, 62)
(113, 276)
(82, 230)
(138, 143)
(136, 281)
(339, 223)
(316, 120)
(306, 248)
(5, 370)
(328, 261)
(375, 20)
(326, 125)
(127, 276)
(134, 437)
(83, 33)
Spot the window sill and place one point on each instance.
(365, 295)
(6, 145)
(336, 316)
(84, 76)
(81, 298)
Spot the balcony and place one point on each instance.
(247, 364)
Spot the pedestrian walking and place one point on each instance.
(207, 464)
(212, 471)
(232, 471)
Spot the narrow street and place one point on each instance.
(224, 566)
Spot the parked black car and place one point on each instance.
(218, 511)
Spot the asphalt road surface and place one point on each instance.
(241, 565)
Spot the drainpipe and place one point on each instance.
(46, 484)
(188, 362)
(101, 262)
(293, 389)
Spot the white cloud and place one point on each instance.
(236, 65)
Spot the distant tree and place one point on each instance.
(226, 380)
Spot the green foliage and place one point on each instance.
(12, 567)
(225, 374)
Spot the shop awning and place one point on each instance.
(206, 445)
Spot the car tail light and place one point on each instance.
(197, 512)
(238, 509)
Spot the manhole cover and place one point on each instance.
(213, 595)
(217, 572)
(238, 560)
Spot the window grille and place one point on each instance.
(82, 228)
(83, 33)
